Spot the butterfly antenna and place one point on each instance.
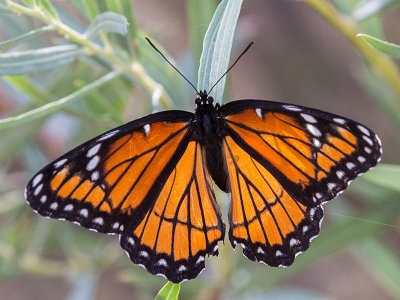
(155, 48)
(244, 51)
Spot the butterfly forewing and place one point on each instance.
(284, 161)
(107, 183)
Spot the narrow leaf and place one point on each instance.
(383, 263)
(14, 41)
(217, 47)
(200, 14)
(53, 106)
(170, 291)
(371, 7)
(37, 60)
(385, 175)
(108, 21)
(382, 46)
(48, 7)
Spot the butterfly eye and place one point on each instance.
(210, 99)
(197, 100)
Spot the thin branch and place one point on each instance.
(135, 69)
(380, 62)
(55, 105)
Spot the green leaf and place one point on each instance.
(46, 5)
(170, 291)
(37, 60)
(199, 16)
(14, 41)
(371, 7)
(53, 106)
(23, 84)
(382, 46)
(217, 47)
(383, 263)
(385, 175)
(108, 21)
(28, 3)
(91, 8)
(125, 8)
(381, 93)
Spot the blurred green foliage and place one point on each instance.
(77, 71)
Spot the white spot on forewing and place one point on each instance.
(291, 107)
(37, 179)
(350, 165)
(259, 113)
(361, 159)
(131, 241)
(368, 150)
(69, 207)
(121, 227)
(94, 176)
(38, 189)
(379, 140)
(305, 228)
(84, 212)
(314, 130)
(340, 174)
(318, 195)
(115, 225)
(368, 140)
(43, 199)
(60, 163)
(107, 135)
(308, 118)
(278, 253)
(93, 151)
(146, 129)
(363, 129)
(312, 212)
(339, 120)
(54, 206)
(215, 248)
(316, 142)
(93, 163)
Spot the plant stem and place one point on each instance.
(380, 62)
(52, 106)
(135, 69)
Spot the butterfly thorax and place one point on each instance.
(210, 134)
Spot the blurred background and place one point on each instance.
(298, 57)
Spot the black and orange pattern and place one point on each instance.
(150, 181)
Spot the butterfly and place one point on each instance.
(150, 181)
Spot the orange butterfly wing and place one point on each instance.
(284, 161)
(110, 182)
(183, 225)
(146, 181)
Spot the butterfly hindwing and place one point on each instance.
(284, 162)
(183, 225)
(108, 183)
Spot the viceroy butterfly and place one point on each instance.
(149, 181)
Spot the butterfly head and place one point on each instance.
(204, 101)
